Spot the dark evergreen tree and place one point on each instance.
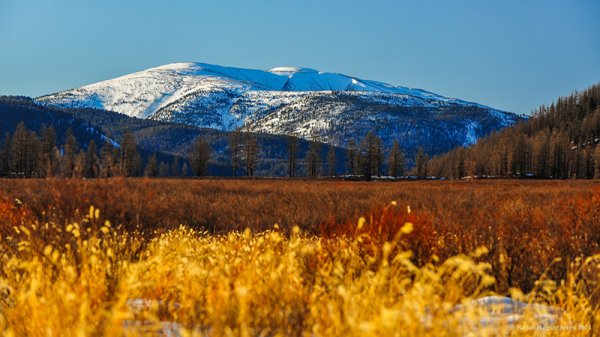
(331, 161)
(250, 153)
(353, 157)
(371, 156)
(313, 158)
(92, 161)
(292, 151)
(5, 156)
(199, 157)
(234, 151)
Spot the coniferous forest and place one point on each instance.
(560, 140)
(41, 142)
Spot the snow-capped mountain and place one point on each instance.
(290, 100)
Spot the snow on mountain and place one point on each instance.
(289, 100)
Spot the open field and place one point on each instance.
(345, 258)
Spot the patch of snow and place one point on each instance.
(150, 328)
(289, 71)
(501, 315)
(110, 140)
(471, 133)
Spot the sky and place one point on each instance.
(511, 55)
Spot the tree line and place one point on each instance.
(558, 141)
(366, 159)
(28, 154)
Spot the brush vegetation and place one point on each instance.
(276, 258)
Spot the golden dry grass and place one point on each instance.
(397, 271)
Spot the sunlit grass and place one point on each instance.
(94, 279)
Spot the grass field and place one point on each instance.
(297, 258)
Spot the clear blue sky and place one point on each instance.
(512, 55)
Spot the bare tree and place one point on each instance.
(378, 158)
(5, 155)
(151, 169)
(371, 155)
(313, 158)
(70, 152)
(79, 168)
(396, 162)
(107, 160)
(234, 151)
(163, 169)
(421, 160)
(353, 157)
(331, 161)
(199, 156)
(460, 167)
(175, 167)
(92, 162)
(292, 149)
(184, 170)
(130, 160)
(250, 153)
(48, 161)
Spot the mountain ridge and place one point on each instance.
(303, 102)
(286, 78)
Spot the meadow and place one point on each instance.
(128, 257)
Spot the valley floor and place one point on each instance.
(212, 257)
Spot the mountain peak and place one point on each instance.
(287, 100)
(289, 71)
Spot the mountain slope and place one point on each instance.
(290, 100)
(166, 140)
(559, 141)
(17, 109)
(177, 140)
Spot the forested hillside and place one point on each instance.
(271, 157)
(559, 141)
(42, 141)
(17, 109)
